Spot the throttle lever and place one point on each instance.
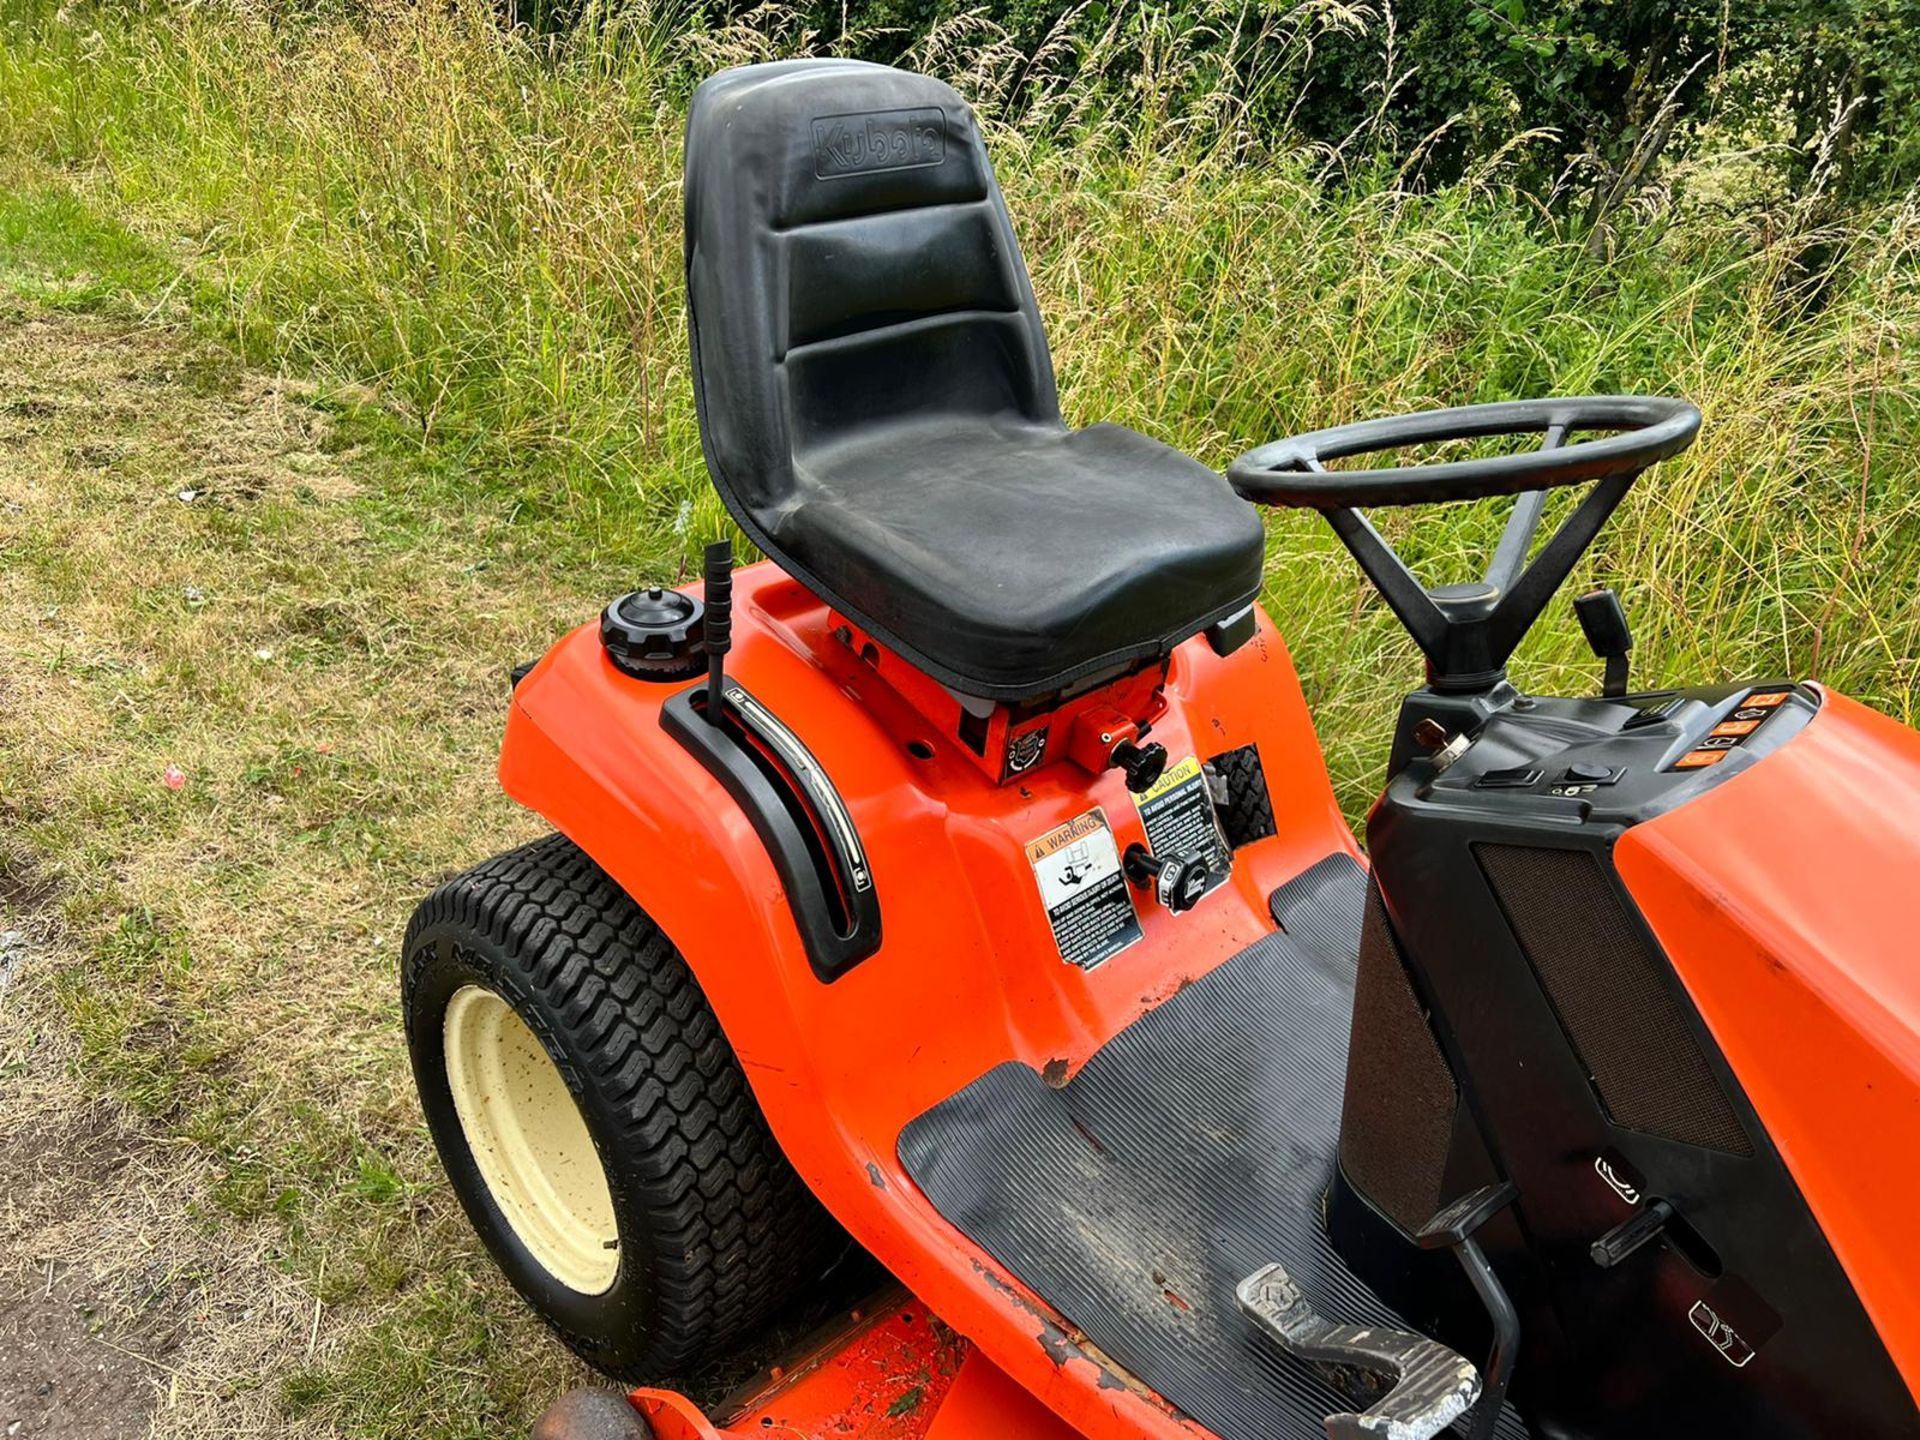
(1604, 623)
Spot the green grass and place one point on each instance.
(465, 252)
(487, 234)
(58, 252)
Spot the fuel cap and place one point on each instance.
(654, 634)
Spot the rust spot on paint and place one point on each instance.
(1153, 999)
(1055, 1074)
(1063, 1345)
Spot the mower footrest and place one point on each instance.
(1431, 1386)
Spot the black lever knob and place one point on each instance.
(1177, 881)
(717, 596)
(1605, 625)
(1143, 764)
(1630, 1234)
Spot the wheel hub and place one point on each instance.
(529, 1141)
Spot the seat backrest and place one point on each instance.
(850, 267)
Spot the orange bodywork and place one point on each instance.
(898, 1374)
(967, 976)
(1785, 900)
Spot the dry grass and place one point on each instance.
(219, 958)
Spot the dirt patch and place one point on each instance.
(24, 890)
(49, 1388)
(78, 1361)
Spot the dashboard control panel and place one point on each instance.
(1619, 760)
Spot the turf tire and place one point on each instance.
(716, 1232)
(1248, 813)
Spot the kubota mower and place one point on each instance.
(964, 884)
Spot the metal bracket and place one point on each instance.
(1431, 1385)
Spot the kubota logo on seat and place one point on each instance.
(878, 140)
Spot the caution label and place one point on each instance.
(1077, 867)
(1179, 818)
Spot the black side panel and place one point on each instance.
(1622, 1016)
(1396, 1127)
(1193, 1149)
(1597, 1090)
(797, 813)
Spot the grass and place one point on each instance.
(344, 366)
(218, 957)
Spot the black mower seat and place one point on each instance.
(877, 402)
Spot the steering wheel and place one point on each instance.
(1467, 632)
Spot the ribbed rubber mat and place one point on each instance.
(1194, 1148)
(1324, 907)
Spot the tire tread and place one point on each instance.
(734, 1232)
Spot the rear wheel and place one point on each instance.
(595, 1124)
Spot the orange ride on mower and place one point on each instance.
(964, 884)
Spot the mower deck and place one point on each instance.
(1193, 1149)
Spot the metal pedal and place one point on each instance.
(1431, 1385)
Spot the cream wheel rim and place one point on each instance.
(530, 1142)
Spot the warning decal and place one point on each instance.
(1178, 814)
(1077, 867)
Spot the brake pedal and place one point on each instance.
(1431, 1385)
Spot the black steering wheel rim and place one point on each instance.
(1289, 472)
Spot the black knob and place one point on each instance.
(1144, 764)
(1631, 1234)
(1177, 881)
(654, 634)
(719, 592)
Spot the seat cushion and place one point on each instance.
(877, 401)
(1010, 559)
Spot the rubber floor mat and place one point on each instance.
(1194, 1148)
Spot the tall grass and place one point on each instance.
(485, 228)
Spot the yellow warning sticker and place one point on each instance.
(1171, 779)
(1177, 813)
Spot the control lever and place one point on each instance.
(1605, 624)
(1631, 1234)
(1453, 1229)
(718, 599)
(1177, 881)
